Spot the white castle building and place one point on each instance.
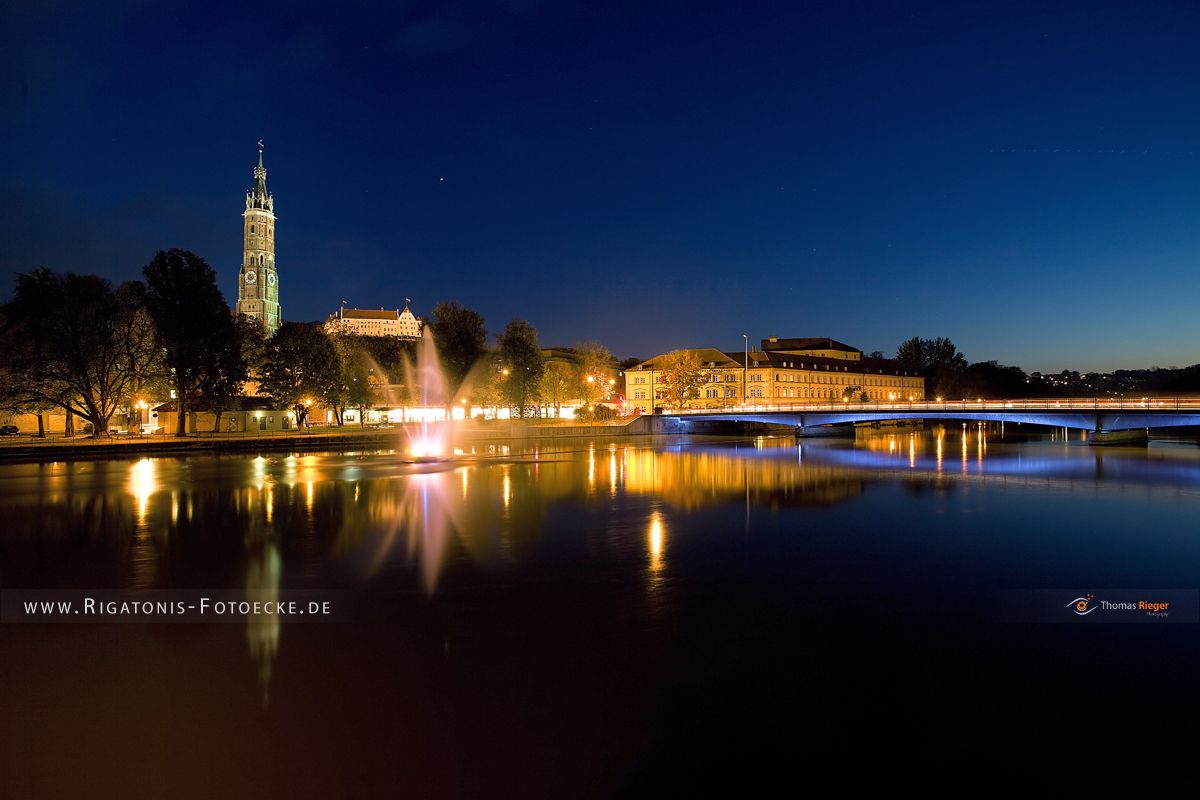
(369, 322)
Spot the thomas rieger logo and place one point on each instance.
(1082, 606)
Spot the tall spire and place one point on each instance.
(260, 198)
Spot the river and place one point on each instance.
(592, 618)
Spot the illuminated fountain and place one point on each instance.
(429, 439)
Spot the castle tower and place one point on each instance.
(258, 282)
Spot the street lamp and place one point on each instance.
(745, 369)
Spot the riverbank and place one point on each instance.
(61, 449)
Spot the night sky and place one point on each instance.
(1024, 179)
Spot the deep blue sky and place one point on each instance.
(1024, 179)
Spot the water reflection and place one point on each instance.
(656, 542)
(142, 485)
(263, 574)
(372, 520)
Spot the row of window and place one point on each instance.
(855, 379)
(808, 394)
(791, 377)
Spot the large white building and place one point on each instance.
(369, 322)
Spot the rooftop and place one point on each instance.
(807, 343)
(368, 313)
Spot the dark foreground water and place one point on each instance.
(602, 618)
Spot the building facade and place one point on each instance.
(401, 323)
(246, 415)
(784, 372)
(258, 280)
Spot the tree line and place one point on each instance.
(77, 344)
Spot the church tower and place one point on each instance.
(258, 282)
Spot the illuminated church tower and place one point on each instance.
(258, 283)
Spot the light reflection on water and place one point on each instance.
(374, 520)
(529, 595)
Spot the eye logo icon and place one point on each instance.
(1080, 605)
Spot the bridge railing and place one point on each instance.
(1156, 404)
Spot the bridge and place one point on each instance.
(1098, 415)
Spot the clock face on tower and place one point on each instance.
(271, 279)
(251, 277)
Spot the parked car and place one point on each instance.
(9, 430)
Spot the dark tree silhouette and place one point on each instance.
(200, 339)
(938, 360)
(523, 359)
(301, 363)
(73, 342)
(460, 338)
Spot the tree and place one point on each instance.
(595, 413)
(681, 376)
(15, 397)
(73, 342)
(486, 382)
(252, 341)
(360, 394)
(388, 356)
(523, 359)
(234, 363)
(938, 360)
(555, 386)
(594, 365)
(196, 330)
(989, 379)
(910, 355)
(461, 340)
(355, 376)
(300, 365)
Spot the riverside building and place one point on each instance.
(781, 372)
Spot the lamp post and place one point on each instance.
(746, 370)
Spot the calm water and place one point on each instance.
(599, 618)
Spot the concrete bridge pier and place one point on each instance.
(1102, 433)
(1130, 438)
(822, 431)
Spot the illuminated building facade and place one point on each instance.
(783, 372)
(369, 322)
